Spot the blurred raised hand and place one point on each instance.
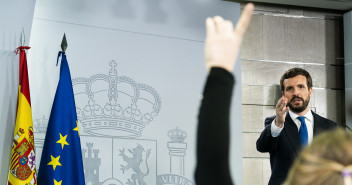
(223, 42)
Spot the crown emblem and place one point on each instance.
(177, 135)
(114, 106)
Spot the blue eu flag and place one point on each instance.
(61, 161)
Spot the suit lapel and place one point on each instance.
(316, 120)
(319, 124)
(291, 131)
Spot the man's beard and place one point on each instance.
(301, 108)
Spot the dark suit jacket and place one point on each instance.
(286, 147)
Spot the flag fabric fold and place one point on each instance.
(22, 163)
(61, 161)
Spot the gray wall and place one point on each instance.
(279, 38)
(347, 23)
(14, 15)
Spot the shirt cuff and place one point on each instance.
(275, 130)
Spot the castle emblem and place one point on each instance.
(114, 106)
(91, 164)
(134, 163)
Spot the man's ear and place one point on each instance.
(310, 91)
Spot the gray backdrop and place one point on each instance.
(138, 72)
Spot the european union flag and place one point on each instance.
(61, 161)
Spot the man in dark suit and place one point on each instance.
(294, 125)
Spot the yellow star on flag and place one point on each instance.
(76, 129)
(62, 141)
(57, 183)
(54, 162)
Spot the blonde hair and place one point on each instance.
(327, 161)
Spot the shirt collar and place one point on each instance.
(308, 115)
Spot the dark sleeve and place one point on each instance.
(213, 130)
(266, 142)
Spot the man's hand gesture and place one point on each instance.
(281, 109)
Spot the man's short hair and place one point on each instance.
(295, 72)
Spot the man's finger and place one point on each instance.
(285, 99)
(284, 109)
(210, 27)
(279, 103)
(244, 20)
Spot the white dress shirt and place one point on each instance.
(275, 130)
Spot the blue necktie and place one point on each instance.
(303, 131)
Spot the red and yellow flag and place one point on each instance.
(22, 166)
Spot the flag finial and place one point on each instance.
(64, 43)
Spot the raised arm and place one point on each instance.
(221, 50)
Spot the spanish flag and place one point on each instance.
(22, 167)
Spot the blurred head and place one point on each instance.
(327, 161)
(296, 85)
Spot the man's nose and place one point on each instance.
(296, 91)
